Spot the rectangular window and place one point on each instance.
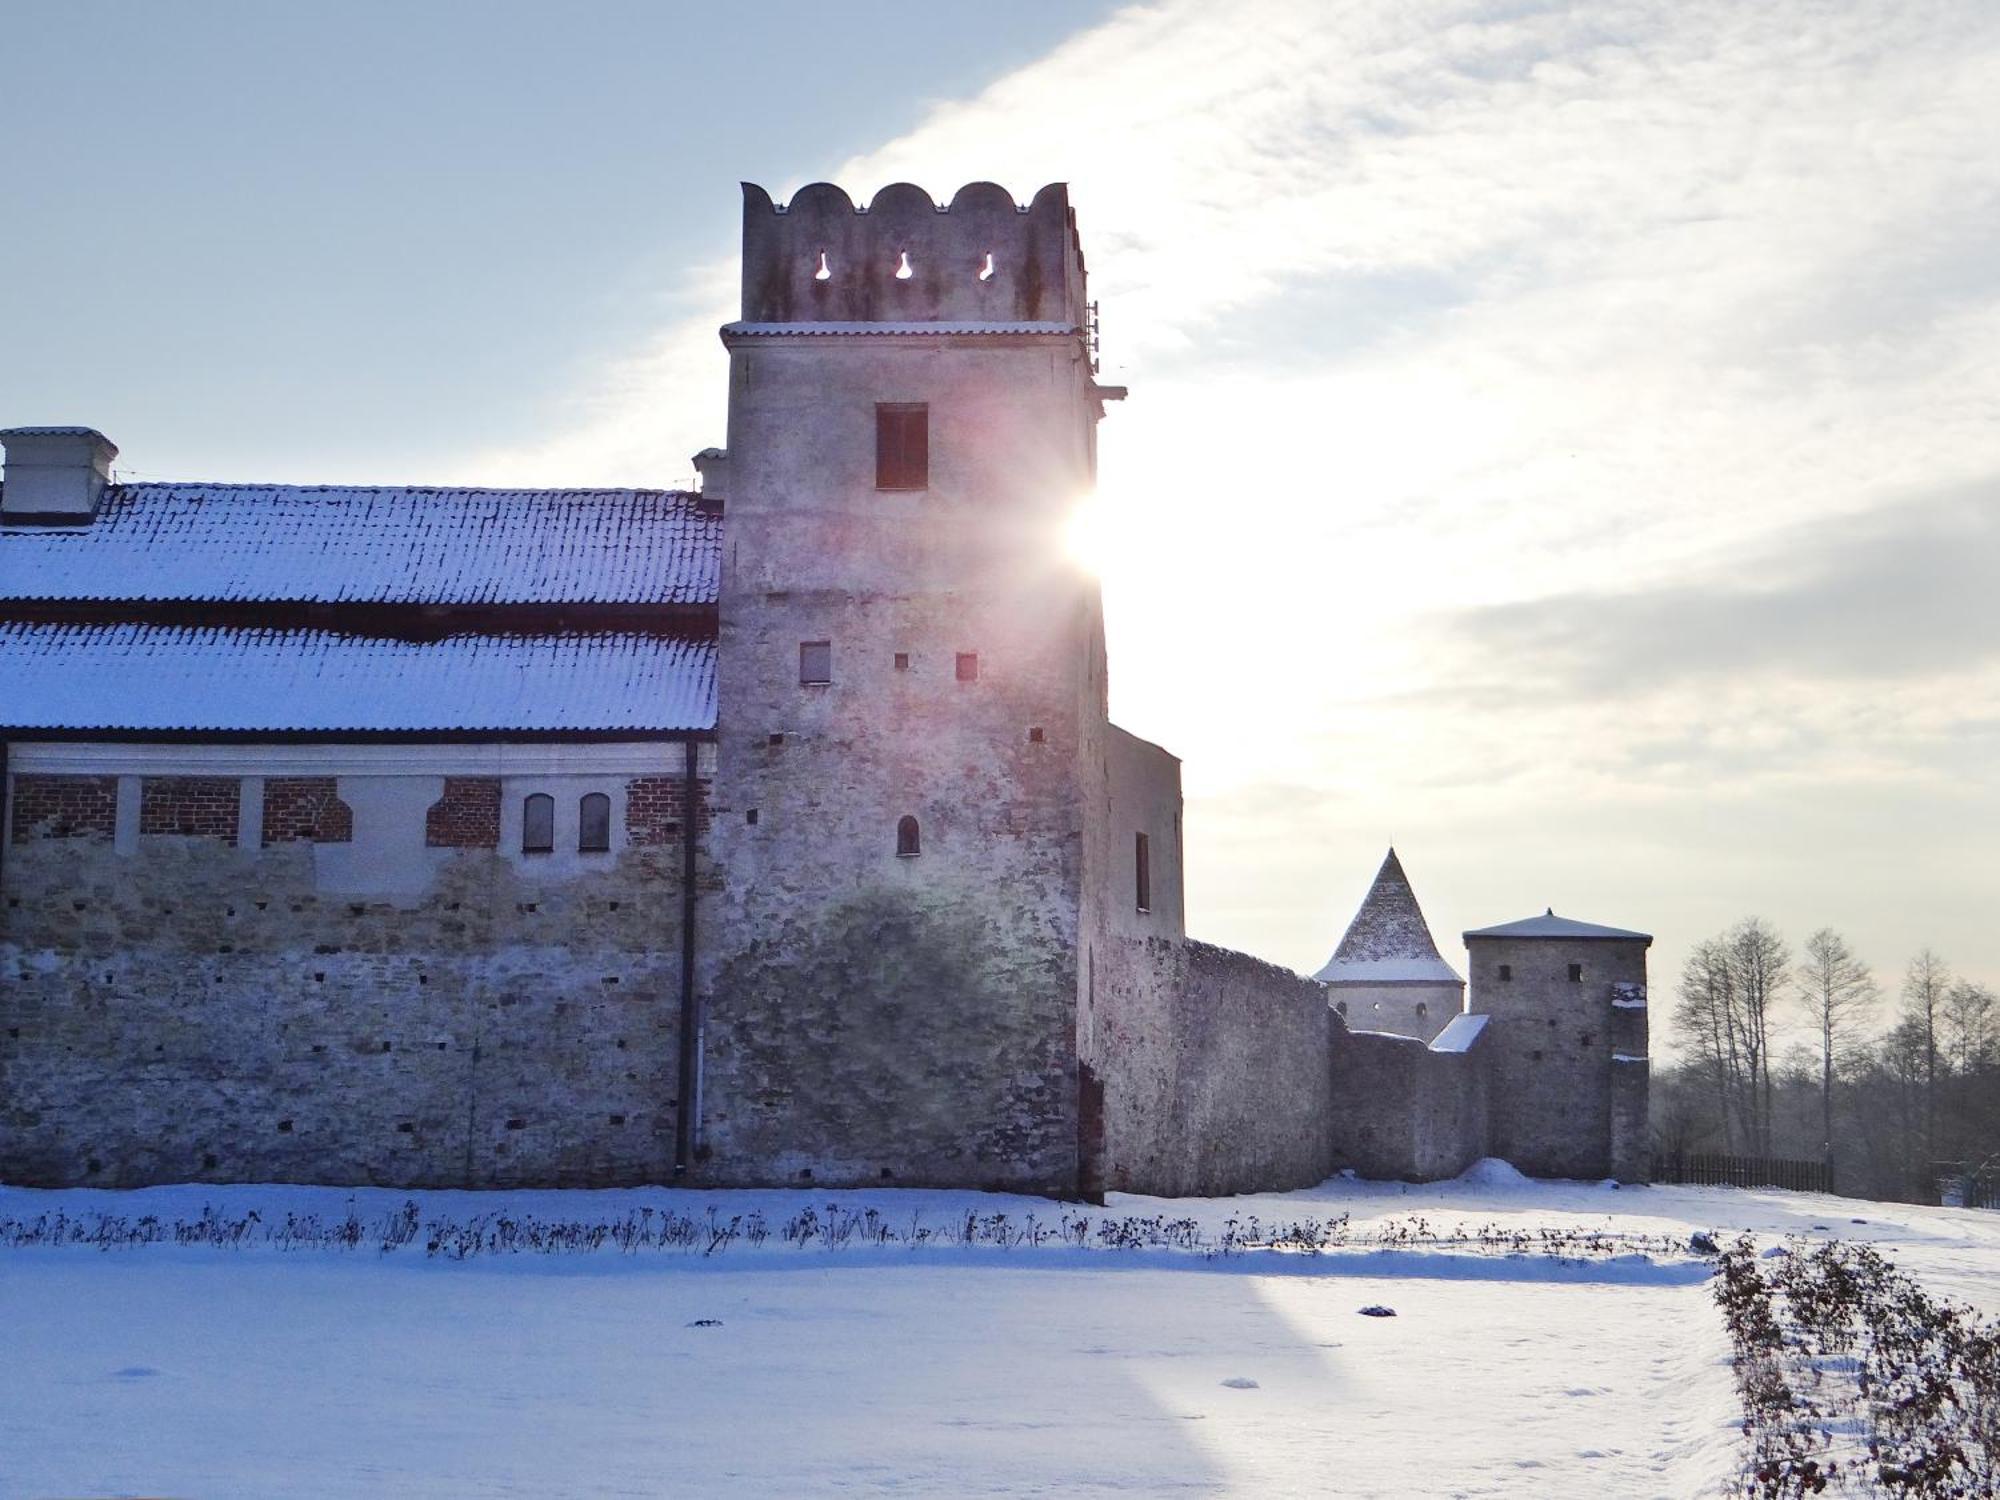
(902, 446)
(815, 661)
(902, 661)
(538, 824)
(1576, 973)
(968, 666)
(1142, 871)
(593, 824)
(1506, 972)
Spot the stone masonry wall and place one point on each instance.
(1214, 1068)
(65, 807)
(1553, 1042)
(1402, 1110)
(189, 1011)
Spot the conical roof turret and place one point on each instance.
(1388, 942)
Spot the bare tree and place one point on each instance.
(1705, 1017)
(1925, 986)
(1759, 964)
(1728, 989)
(1837, 991)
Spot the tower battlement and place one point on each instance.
(906, 258)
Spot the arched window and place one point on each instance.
(1422, 1010)
(593, 824)
(538, 824)
(909, 843)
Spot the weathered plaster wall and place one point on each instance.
(369, 1011)
(1418, 1010)
(1553, 1041)
(1214, 1070)
(1403, 1109)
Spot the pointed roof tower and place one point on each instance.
(1388, 942)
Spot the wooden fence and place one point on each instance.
(1716, 1169)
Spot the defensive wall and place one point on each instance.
(348, 972)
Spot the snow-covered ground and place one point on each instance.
(775, 1369)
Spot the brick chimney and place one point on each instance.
(54, 476)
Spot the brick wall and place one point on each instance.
(656, 809)
(65, 807)
(196, 806)
(306, 810)
(467, 816)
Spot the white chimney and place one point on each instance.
(54, 476)
(712, 464)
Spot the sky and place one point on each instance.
(1562, 439)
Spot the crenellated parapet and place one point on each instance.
(907, 259)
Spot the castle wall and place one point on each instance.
(1554, 1041)
(1402, 1108)
(209, 994)
(1214, 1069)
(873, 1016)
(1416, 1010)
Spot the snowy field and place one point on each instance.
(782, 1369)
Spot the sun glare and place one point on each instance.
(1086, 534)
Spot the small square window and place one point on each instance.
(815, 662)
(1576, 973)
(1035, 735)
(902, 661)
(968, 666)
(774, 739)
(750, 817)
(902, 446)
(1506, 972)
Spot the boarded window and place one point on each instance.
(902, 446)
(538, 824)
(909, 841)
(1142, 870)
(968, 666)
(593, 824)
(815, 661)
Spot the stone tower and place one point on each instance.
(1569, 1067)
(910, 673)
(1387, 975)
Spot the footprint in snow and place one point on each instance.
(706, 1323)
(134, 1372)
(1241, 1383)
(1377, 1310)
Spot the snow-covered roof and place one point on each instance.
(363, 545)
(1388, 942)
(1549, 925)
(1459, 1033)
(838, 328)
(164, 678)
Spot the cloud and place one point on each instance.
(1906, 592)
(1526, 402)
